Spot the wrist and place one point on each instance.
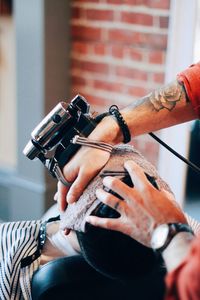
(114, 111)
(107, 131)
(177, 250)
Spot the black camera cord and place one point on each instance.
(188, 162)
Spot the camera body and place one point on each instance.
(51, 139)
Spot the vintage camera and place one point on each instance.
(51, 139)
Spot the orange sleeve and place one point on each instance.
(184, 282)
(190, 78)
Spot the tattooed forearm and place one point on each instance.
(167, 97)
(162, 108)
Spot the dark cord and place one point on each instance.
(188, 162)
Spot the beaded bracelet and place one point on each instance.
(114, 111)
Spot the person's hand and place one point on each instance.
(87, 163)
(144, 207)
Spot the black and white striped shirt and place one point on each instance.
(19, 258)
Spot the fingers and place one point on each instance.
(55, 198)
(110, 200)
(111, 224)
(138, 176)
(62, 190)
(129, 194)
(61, 196)
(79, 185)
(117, 186)
(71, 194)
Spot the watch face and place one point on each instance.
(159, 236)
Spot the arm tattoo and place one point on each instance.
(167, 97)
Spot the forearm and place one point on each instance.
(162, 108)
(165, 107)
(177, 250)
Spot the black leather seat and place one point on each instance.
(72, 278)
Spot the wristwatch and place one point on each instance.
(163, 234)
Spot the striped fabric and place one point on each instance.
(20, 250)
(194, 224)
(19, 258)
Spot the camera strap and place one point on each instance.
(83, 141)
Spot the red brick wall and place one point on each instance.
(5, 7)
(118, 53)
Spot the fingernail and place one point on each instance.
(98, 191)
(61, 208)
(107, 179)
(71, 199)
(55, 196)
(87, 219)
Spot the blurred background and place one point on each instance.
(111, 52)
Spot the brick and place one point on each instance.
(163, 22)
(114, 1)
(131, 2)
(75, 64)
(161, 4)
(158, 77)
(135, 2)
(108, 86)
(6, 8)
(76, 12)
(96, 67)
(80, 47)
(85, 33)
(96, 99)
(123, 36)
(156, 56)
(99, 15)
(100, 49)
(156, 41)
(89, 66)
(137, 91)
(131, 73)
(77, 80)
(89, 1)
(135, 54)
(117, 44)
(117, 51)
(137, 18)
(129, 37)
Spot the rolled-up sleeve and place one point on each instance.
(190, 78)
(184, 282)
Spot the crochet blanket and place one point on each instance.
(74, 216)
